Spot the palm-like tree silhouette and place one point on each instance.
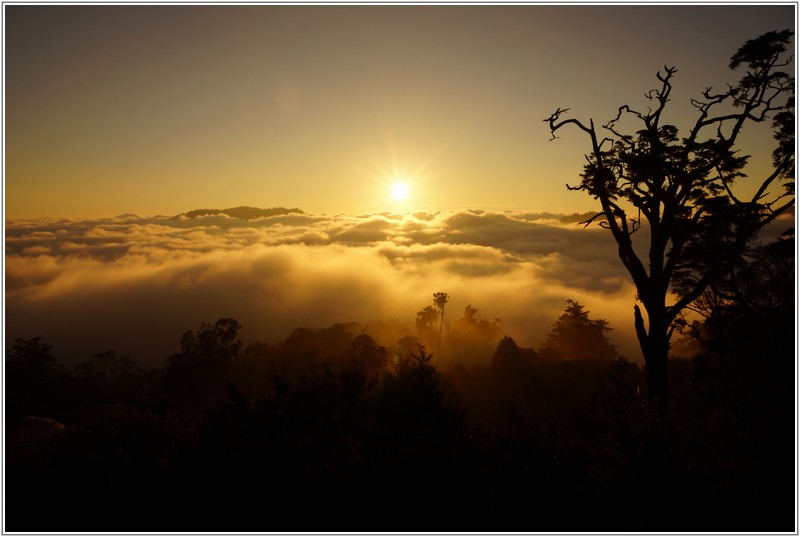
(439, 300)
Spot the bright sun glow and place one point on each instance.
(400, 191)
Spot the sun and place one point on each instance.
(399, 191)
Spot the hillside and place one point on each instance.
(242, 212)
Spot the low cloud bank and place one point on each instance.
(136, 284)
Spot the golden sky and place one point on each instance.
(157, 109)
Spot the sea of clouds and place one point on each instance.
(135, 284)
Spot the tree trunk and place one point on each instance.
(441, 324)
(655, 349)
(656, 364)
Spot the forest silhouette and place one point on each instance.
(331, 431)
(453, 426)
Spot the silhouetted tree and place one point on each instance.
(425, 319)
(471, 339)
(472, 325)
(747, 334)
(743, 387)
(106, 368)
(508, 356)
(577, 337)
(367, 355)
(512, 369)
(763, 285)
(200, 372)
(308, 346)
(406, 345)
(213, 342)
(33, 358)
(419, 425)
(111, 377)
(697, 227)
(33, 378)
(252, 368)
(439, 300)
(629, 460)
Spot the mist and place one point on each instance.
(131, 284)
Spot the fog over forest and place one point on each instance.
(133, 282)
(329, 429)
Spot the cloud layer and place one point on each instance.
(136, 284)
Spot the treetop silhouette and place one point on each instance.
(440, 299)
(426, 317)
(577, 337)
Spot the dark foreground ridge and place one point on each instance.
(332, 431)
(243, 212)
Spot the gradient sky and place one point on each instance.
(157, 109)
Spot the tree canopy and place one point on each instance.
(577, 337)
